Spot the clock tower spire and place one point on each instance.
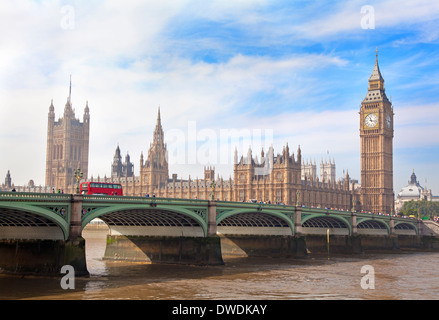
(376, 135)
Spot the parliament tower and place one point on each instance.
(376, 134)
(154, 171)
(67, 146)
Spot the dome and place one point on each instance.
(413, 190)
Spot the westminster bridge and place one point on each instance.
(37, 227)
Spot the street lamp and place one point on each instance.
(78, 177)
(212, 194)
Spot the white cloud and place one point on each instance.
(418, 126)
(125, 61)
(340, 18)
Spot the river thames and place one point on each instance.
(407, 275)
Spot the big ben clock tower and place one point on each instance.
(376, 134)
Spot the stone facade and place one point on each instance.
(67, 147)
(271, 179)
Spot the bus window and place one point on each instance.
(102, 189)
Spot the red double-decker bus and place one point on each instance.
(99, 188)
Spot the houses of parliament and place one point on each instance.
(284, 177)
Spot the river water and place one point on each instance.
(395, 276)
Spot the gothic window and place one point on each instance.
(242, 178)
(278, 195)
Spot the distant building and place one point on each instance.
(413, 191)
(119, 169)
(8, 180)
(7, 186)
(327, 170)
(309, 170)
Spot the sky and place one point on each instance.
(225, 74)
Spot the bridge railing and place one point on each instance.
(57, 197)
(125, 199)
(252, 205)
(26, 196)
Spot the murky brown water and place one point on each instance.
(397, 276)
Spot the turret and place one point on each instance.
(299, 155)
(86, 114)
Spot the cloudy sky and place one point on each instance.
(225, 74)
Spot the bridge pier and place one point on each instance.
(211, 219)
(298, 221)
(172, 250)
(75, 217)
(354, 222)
(44, 257)
(392, 225)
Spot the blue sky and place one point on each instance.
(257, 72)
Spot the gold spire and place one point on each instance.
(376, 73)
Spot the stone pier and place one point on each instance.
(45, 256)
(169, 250)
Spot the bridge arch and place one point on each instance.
(406, 228)
(19, 221)
(144, 219)
(373, 226)
(319, 223)
(259, 222)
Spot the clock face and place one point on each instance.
(371, 120)
(389, 121)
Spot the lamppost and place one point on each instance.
(78, 177)
(212, 194)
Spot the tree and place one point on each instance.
(420, 209)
